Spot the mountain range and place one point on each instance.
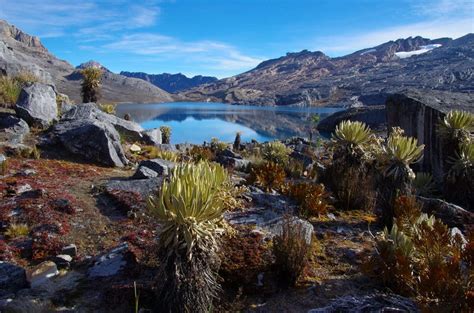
(364, 77)
(172, 82)
(303, 78)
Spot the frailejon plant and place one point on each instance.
(459, 180)
(189, 207)
(424, 185)
(165, 134)
(108, 108)
(276, 152)
(237, 141)
(396, 177)
(350, 175)
(218, 146)
(456, 126)
(267, 175)
(91, 77)
(421, 257)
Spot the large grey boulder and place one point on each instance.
(128, 129)
(369, 303)
(153, 168)
(91, 139)
(110, 263)
(37, 104)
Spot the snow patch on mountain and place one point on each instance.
(424, 49)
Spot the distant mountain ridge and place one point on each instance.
(364, 77)
(22, 52)
(172, 82)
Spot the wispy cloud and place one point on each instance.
(89, 20)
(439, 8)
(218, 56)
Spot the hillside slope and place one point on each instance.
(22, 52)
(364, 77)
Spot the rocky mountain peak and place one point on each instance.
(8, 31)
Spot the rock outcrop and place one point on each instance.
(12, 129)
(37, 105)
(373, 116)
(153, 168)
(363, 77)
(418, 113)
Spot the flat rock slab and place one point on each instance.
(153, 168)
(12, 277)
(110, 263)
(144, 187)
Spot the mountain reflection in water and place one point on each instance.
(196, 122)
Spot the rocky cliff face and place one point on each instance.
(418, 112)
(364, 77)
(172, 82)
(22, 52)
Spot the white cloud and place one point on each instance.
(214, 55)
(432, 29)
(89, 19)
(440, 8)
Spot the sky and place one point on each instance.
(225, 37)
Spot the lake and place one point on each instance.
(196, 122)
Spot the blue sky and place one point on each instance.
(226, 37)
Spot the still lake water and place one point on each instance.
(196, 122)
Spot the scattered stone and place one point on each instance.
(91, 139)
(26, 173)
(110, 263)
(234, 163)
(369, 303)
(63, 260)
(41, 273)
(37, 104)
(154, 168)
(70, 250)
(12, 277)
(135, 148)
(23, 188)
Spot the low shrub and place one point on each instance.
(291, 252)
(9, 91)
(276, 152)
(152, 152)
(267, 175)
(420, 257)
(200, 153)
(17, 230)
(217, 145)
(312, 198)
(108, 108)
